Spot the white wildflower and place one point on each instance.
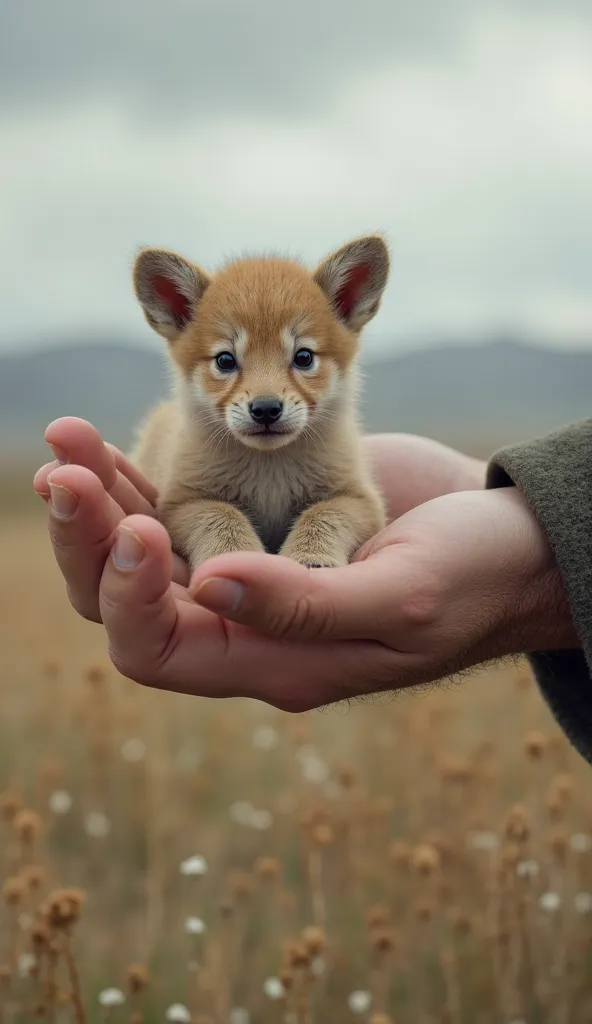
(261, 820)
(550, 902)
(178, 1013)
(265, 737)
(360, 1001)
(111, 997)
(273, 988)
(314, 770)
(527, 869)
(194, 866)
(240, 812)
(188, 757)
(133, 751)
(26, 963)
(194, 926)
(238, 1015)
(60, 801)
(483, 841)
(581, 843)
(583, 902)
(97, 825)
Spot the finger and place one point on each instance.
(139, 481)
(280, 597)
(77, 442)
(82, 518)
(40, 481)
(137, 601)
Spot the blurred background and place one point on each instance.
(460, 129)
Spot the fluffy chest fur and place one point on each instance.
(271, 488)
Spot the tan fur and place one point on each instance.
(306, 493)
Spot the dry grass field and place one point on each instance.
(423, 859)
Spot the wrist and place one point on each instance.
(536, 615)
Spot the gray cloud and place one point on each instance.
(461, 127)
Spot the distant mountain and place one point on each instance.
(476, 397)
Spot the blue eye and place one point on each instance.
(303, 359)
(226, 362)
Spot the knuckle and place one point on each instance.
(306, 616)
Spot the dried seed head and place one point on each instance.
(28, 827)
(377, 916)
(322, 835)
(314, 940)
(137, 978)
(457, 771)
(460, 921)
(267, 868)
(563, 786)
(241, 885)
(95, 674)
(441, 843)
(40, 936)
(51, 668)
(286, 976)
(382, 940)
(14, 891)
(5, 975)
(62, 908)
(424, 911)
(399, 853)
(347, 776)
(425, 860)
(380, 1018)
(535, 745)
(33, 876)
(517, 824)
(297, 955)
(226, 909)
(555, 805)
(10, 805)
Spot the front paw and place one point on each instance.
(316, 560)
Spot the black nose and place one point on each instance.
(265, 410)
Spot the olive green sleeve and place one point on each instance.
(554, 474)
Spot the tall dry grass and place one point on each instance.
(425, 859)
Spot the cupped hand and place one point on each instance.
(428, 596)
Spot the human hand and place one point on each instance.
(158, 636)
(94, 488)
(463, 579)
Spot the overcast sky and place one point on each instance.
(460, 128)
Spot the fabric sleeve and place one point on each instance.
(554, 474)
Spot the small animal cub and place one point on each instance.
(259, 447)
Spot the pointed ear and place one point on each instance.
(169, 289)
(353, 279)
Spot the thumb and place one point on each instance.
(278, 596)
(137, 602)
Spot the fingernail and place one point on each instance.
(60, 454)
(222, 596)
(129, 550)
(63, 502)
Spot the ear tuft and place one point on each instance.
(354, 278)
(168, 288)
